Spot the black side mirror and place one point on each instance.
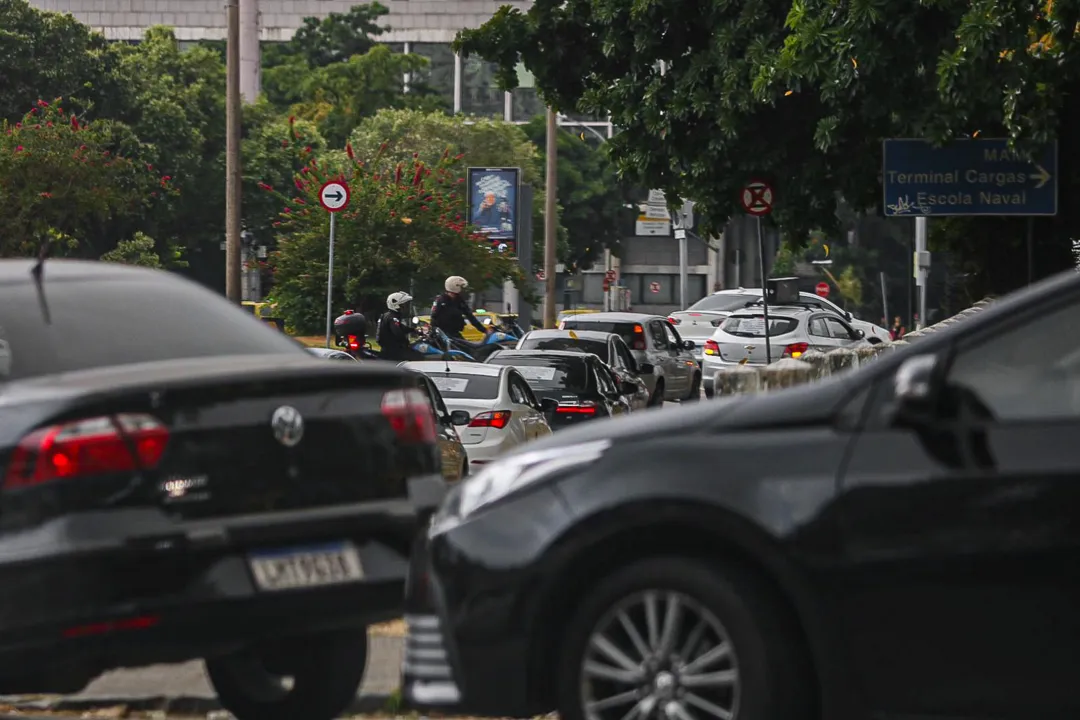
(914, 389)
(627, 387)
(549, 405)
(459, 417)
(688, 345)
(645, 368)
(859, 334)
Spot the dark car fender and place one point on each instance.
(777, 526)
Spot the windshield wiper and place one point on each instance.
(37, 272)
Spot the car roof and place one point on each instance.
(18, 271)
(456, 367)
(583, 334)
(541, 353)
(785, 310)
(325, 352)
(616, 317)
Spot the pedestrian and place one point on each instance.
(897, 331)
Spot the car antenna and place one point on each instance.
(37, 272)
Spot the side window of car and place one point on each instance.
(659, 336)
(672, 335)
(818, 328)
(603, 379)
(837, 329)
(516, 395)
(5, 355)
(1029, 372)
(627, 359)
(436, 399)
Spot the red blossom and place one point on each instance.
(105, 153)
(459, 156)
(42, 103)
(264, 186)
(287, 210)
(416, 176)
(299, 201)
(149, 166)
(45, 194)
(74, 123)
(349, 151)
(307, 150)
(284, 143)
(33, 111)
(299, 185)
(423, 207)
(48, 124)
(292, 120)
(18, 126)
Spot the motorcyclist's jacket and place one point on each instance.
(450, 314)
(393, 336)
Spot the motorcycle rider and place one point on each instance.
(450, 311)
(394, 328)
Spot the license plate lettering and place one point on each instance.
(306, 567)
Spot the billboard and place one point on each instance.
(493, 203)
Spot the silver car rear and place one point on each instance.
(696, 325)
(741, 337)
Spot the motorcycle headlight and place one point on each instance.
(504, 477)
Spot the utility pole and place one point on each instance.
(250, 59)
(550, 221)
(233, 247)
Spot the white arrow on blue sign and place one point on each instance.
(968, 177)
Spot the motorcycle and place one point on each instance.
(492, 342)
(434, 343)
(350, 334)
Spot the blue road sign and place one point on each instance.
(968, 177)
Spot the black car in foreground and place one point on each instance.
(181, 481)
(573, 386)
(897, 542)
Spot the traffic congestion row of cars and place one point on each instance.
(181, 481)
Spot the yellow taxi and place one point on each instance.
(571, 313)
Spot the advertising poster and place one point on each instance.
(493, 203)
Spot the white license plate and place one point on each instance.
(287, 569)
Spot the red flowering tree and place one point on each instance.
(59, 177)
(404, 227)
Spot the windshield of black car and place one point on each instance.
(625, 330)
(549, 373)
(725, 302)
(754, 325)
(465, 386)
(120, 321)
(598, 348)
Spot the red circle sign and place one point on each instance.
(654, 287)
(541, 275)
(822, 289)
(610, 275)
(757, 198)
(334, 196)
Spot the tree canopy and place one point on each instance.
(802, 92)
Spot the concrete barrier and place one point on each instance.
(866, 354)
(786, 373)
(737, 380)
(817, 360)
(840, 360)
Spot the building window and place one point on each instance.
(480, 93)
(439, 74)
(593, 289)
(641, 289)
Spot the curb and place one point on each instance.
(189, 705)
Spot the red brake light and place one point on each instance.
(586, 408)
(497, 419)
(95, 446)
(711, 348)
(674, 320)
(795, 349)
(354, 343)
(410, 415)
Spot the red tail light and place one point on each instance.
(711, 348)
(354, 343)
(795, 350)
(410, 415)
(82, 448)
(674, 320)
(497, 419)
(585, 408)
(144, 622)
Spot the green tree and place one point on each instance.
(403, 227)
(482, 142)
(61, 177)
(592, 197)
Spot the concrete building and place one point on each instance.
(648, 268)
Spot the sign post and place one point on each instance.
(682, 219)
(757, 200)
(334, 197)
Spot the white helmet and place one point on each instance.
(396, 300)
(456, 284)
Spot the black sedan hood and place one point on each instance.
(793, 407)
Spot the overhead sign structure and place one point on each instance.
(334, 196)
(757, 198)
(822, 289)
(968, 177)
(654, 287)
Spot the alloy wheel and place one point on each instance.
(660, 654)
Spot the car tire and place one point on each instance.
(657, 398)
(326, 670)
(464, 469)
(695, 390)
(710, 393)
(772, 678)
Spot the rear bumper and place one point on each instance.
(481, 453)
(93, 591)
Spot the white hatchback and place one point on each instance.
(503, 411)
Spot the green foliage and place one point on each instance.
(139, 250)
(58, 174)
(482, 142)
(404, 227)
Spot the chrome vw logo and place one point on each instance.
(288, 425)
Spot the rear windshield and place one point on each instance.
(624, 330)
(596, 347)
(96, 323)
(549, 373)
(724, 302)
(754, 325)
(466, 387)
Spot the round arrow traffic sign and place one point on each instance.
(334, 196)
(822, 289)
(757, 198)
